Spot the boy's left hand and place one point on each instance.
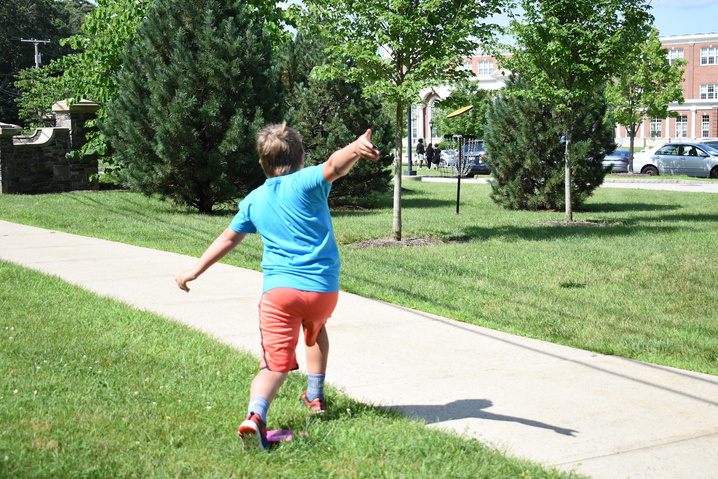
(183, 278)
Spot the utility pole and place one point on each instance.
(37, 54)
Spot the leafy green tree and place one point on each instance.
(397, 48)
(470, 123)
(645, 88)
(526, 146)
(332, 113)
(567, 51)
(197, 84)
(32, 19)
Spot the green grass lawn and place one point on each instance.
(642, 284)
(92, 388)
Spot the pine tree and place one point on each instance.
(197, 85)
(332, 113)
(524, 141)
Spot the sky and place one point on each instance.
(685, 17)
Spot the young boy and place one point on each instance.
(300, 264)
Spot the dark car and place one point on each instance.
(617, 162)
(709, 142)
(475, 157)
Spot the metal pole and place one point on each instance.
(36, 43)
(408, 138)
(460, 169)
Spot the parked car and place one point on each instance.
(713, 143)
(617, 162)
(643, 158)
(475, 157)
(449, 157)
(678, 158)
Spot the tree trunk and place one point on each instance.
(396, 226)
(567, 156)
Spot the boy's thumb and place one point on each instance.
(367, 134)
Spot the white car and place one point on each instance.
(679, 158)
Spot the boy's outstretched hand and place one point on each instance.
(342, 160)
(365, 148)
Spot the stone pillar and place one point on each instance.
(7, 157)
(74, 117)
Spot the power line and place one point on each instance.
(9, 93)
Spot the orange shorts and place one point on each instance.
(282, 311)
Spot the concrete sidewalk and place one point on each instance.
(605, 416)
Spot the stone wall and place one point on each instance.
(39, 164)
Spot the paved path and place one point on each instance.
(602, 415)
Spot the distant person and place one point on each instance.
(437, 157)
(300, 263)
(420, 151)
(429, 156)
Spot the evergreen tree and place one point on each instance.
(197, 85)
(526, 149)
(332, 113)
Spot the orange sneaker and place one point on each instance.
(318, 405)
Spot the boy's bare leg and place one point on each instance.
(318, 355)
(266, 384)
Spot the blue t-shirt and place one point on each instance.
(291, 214)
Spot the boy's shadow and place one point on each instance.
(472, 408)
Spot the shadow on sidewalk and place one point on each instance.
(472, 408)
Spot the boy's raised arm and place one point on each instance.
(341, 161)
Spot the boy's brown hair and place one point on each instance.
(280, 150)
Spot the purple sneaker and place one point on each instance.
(253, 432)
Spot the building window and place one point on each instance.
(705, 126)
(682, 127)
(709, 56)
(709, 92)
(674, 55)
(486, 68)
(656, 128)
(467, 66)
